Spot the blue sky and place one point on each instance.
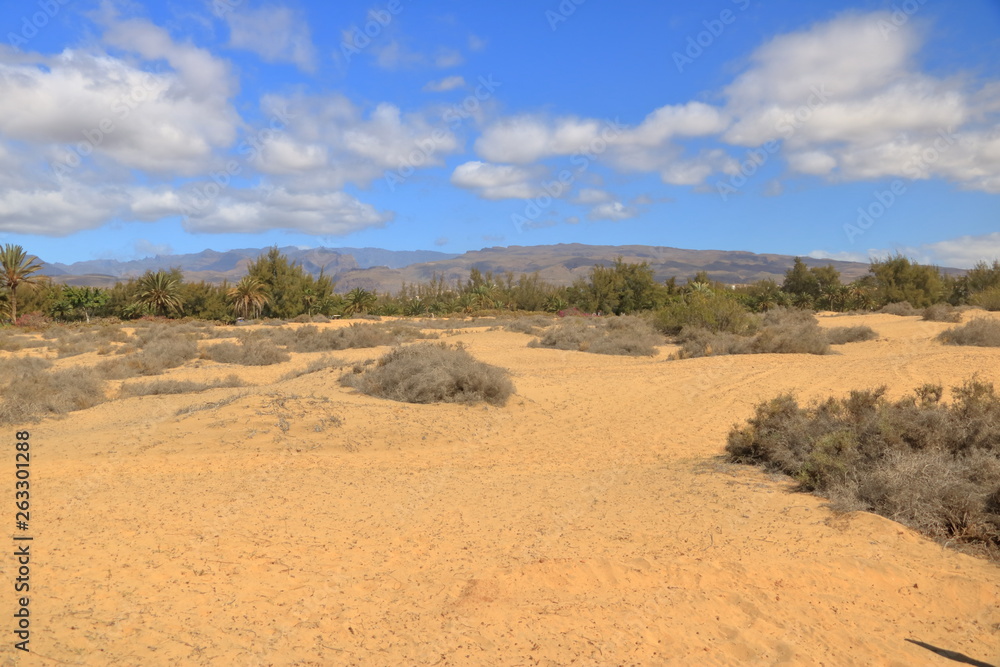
(831, 129)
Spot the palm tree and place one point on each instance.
(160, 291)
(248, 297)
(17, 269)
(359, 301)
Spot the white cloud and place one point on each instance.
(57, 211)
(588, 196)
(962, 252)
(445, 84)
(498, 181)
(276, 34)
(317, 213)
(615, 210)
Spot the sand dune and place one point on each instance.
(590, 521)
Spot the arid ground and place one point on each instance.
(590, 521)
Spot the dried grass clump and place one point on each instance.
(942, 312)
(251, 350)
(843, 335)
(31, 390)
(156, 356)
(933, 467)
(13, 342)
(313, 339)
(314, 366)
(160, 387)
(980, 332)
(780, 331)
(624, 335)
(431, 373)
(901, 308)
(532, 325)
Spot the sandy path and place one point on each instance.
(588, 522)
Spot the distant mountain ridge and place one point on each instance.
(386, 270)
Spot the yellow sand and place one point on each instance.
(588, 522)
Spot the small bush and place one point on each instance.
(159, 387)
(33, 390)
(781, 332)
(314, 366)
(842, 335)
(980, 331)
(713, 312)
(253, 350)
(162, 353)
(933, 467)
(901, 308)
(431, 373)
(528, 325)
(313, 339)
(987, 299)
(623, 335)
(941, 312)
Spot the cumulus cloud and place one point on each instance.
(258, 210)
(615, 211)
(962, 252)
(329, 141)
(276, 34)
(499, 181)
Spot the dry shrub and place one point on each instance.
(933, 467)
(857, 334)
(251, 350)
(315, 366)
(623, 335)
(313, 339)
(33, 390)
(12, 342)
(980, 332)
(781, 331)
(901, 308)
(159, 387)
(431, 373)
(532, 325)
(156, 356)
(941, 312)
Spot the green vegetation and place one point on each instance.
(933, 467)
(431, 373)
(17, 269)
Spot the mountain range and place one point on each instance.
(386, 270)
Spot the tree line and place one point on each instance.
(276, 287)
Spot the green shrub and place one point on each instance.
(987, 299)
(980, 331)
(710, 311)
(856, 334)
(933, 467)
(623, 335)
(431, 373)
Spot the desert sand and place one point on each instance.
(590, 521)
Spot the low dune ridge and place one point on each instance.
(590, 520)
